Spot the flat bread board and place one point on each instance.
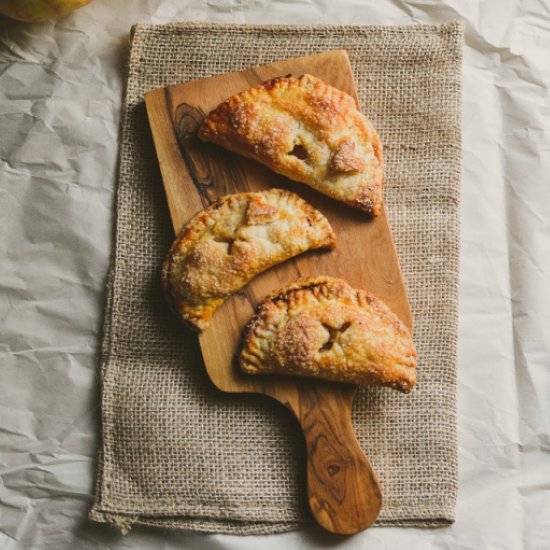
(195, 174)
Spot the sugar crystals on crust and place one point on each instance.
(223, 247)
(323, 328)
(308, 131)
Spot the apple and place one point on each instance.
(39, 10)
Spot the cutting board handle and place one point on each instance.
(343, 491)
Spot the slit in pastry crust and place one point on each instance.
(227, 244)
(308, 131)
(323, 328)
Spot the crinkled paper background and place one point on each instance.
(60, 95)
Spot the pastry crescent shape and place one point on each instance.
(234, 239)
(308, 131)
(323, 328)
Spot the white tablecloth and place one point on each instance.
(60, 93)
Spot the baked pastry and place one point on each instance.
(223, 247)
(308, 131)
(323, 328)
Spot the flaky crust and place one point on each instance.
(223, 247)
(308, 131)
(323, 328)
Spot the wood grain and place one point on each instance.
(342, 489)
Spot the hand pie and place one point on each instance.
(308, 131)
(323, 328)
(223, 247)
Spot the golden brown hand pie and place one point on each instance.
(321, 327)
(223, 247)
(308, 131)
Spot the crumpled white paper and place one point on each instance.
(61, 85)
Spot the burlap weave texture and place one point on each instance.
(177, 452)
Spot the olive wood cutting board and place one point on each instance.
(343, 491)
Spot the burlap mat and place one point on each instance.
(176, 452)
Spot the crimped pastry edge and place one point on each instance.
(208, 131)
(251, 354)
(198, 317)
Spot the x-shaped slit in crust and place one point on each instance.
(299, 151)
(227, 240)
(332, 335)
